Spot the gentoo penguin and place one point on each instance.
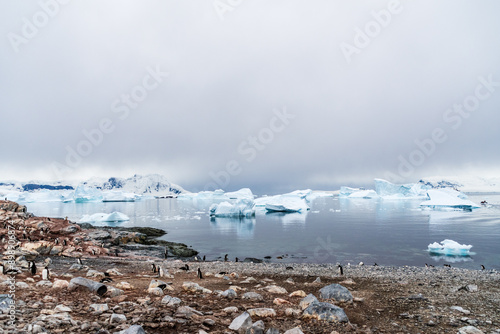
(483, 267)
(65, 242)
(289, 268)
(236, 260)
(341, 270)
(200, 276)
(106, 280)
(166, 253)
(33, 268)
(161, 273)
(153, 268)
(79, 261)
(56, 241)
(361, 264)
(204, 258)
(447, 265)
(225, 258)
(186, 267)
(46, 274)
(375, 264)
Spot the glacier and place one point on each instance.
(448, 198)
(449, 248)
(240, 208)
(105, 217)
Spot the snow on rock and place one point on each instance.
(447, 198)
(449, 247)
(104, 217)
(467, 184)
(388, 190)
(240, 208)
(286, 203)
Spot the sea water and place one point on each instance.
(390, 233)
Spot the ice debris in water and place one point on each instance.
(105, 217)
(449, 247)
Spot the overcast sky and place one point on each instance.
(277, 95)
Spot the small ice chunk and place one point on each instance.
(449, 247)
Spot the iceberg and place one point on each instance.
(388, 190)
(241, 208)
(105, 217)
(286, 203)
(448, 198)
(364, 194)
(118, 196)
(244, 193)
(85, 193)
(449, 247)
(346, 191)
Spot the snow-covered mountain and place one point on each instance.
(153, 184)
(467, 184)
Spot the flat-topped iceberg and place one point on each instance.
(286, 203)
(240, 208)
(118, 196)
(388, 190)
(105, 217)
(448, 198)
(449, 247)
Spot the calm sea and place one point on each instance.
(390, 233)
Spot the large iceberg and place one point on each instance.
(105, 217)
(388, 190)
(118, 196)
(286, 203)
(448, 198)
(240, 208)
(449, 247)
(85, 193)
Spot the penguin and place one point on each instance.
(2, 269)
(426, 265)
(46, 274)
(204, 258)
(225, 258)
(56, 241)
(153, 268)
(106, 274)
(116, 252)
(236, 260)
(341, 270)
(361, 264)
(106, 280)
(65, 243)
(33, 268)
(447, 265)
(200, 276)
(483, 267)
(289, 268)
(93, 251)
(375, 264)
(196, 259)
(166, 253)
(186, 267)
(161, 273)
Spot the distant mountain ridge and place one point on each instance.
(467, 184)
(153, 184)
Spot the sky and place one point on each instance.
(271, 95)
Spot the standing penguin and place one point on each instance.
(161, 273)
(204, 258)
(153, 268)
(200, 276)
(236, 260)
(225, 258)
(46, 274)
(33, 268)
(341, 270)
(166, 253)
(79, 261)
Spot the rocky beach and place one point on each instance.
(116, 280)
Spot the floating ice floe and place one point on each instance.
(240, 208)
(286, 203)
(449, 247)
(105, 217)
(85, 193)
(388, 190)
(448, 198)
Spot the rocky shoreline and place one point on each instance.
(124, 295)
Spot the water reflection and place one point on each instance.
(450, 258)
(289, 219)
(242, 227)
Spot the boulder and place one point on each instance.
(308, 300)
(325, 312)
(241, 322)
(336, 292)
(252, 296)
(262, 312)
